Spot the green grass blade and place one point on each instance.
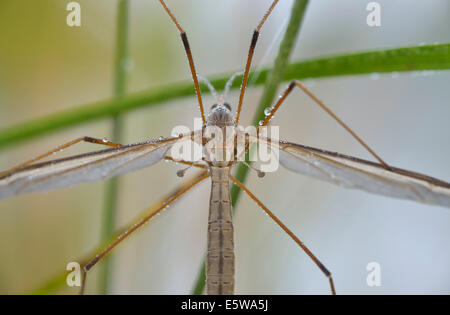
(416, 58)
(274, 78)
(112, 186)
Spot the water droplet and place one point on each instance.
(267, 111)
(105, 140)
(374, 76)
(161, 138)
(426, 73)
(261, 122)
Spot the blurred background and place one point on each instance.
(47, 67)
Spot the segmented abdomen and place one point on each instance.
(220, 255)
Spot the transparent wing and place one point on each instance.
(83, 168)
(351, 172)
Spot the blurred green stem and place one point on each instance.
(274, 78)
(112, 186)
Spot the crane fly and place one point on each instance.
(374, 177)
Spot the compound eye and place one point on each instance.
(227, 106)
(214, 106)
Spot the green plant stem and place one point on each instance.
(416, 58)
(274, 78)
(112, 186)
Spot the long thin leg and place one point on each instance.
(190, 58)
(290, 233)
(178, 193)
(250, 57)
(58, 149)
(171, 159)
(289, 89)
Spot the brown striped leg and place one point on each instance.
(296, 83)
(58, 149)
(290, 233)
(178, 193)
(250, 57)
(168, 158)
(190, 58)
